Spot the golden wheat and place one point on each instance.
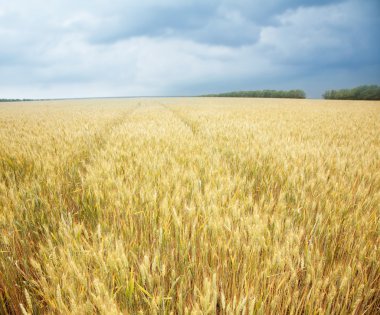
(190, 206)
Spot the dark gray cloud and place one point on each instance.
(106, 48)
(220, 22)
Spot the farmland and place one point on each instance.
(190, 206)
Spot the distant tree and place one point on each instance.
(13, 100)
(363, 92)
(263, 94)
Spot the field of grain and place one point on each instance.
(190, 206)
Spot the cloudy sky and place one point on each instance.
(90, 48)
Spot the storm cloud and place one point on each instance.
(95, 48)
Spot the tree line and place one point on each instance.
(363, 92)
(263, 94)
(14, 100)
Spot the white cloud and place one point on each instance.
(303, 33)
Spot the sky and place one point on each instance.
(110, 48)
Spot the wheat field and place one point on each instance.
(190, 206)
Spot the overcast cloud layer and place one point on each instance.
(93, 48)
